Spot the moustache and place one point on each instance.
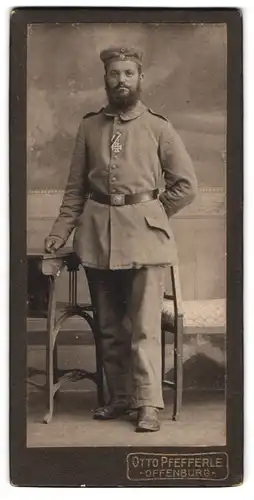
(120, 86)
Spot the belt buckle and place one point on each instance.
(117, 199)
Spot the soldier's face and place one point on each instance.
(123, 83)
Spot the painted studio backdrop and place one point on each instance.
(185, 71)
(185, 79)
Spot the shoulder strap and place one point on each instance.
(92, 113)
(157, 114)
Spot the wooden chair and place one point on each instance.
(199, 317)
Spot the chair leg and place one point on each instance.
(49, 353)
(178, 367)
(55, 363)
(50, 380)
(163, 341)
(56, 385)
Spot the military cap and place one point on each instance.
(121, 54)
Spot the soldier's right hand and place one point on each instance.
(53, 243)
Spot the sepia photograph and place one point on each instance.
(126, 149)
(126, 243)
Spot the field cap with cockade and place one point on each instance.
(121, 54)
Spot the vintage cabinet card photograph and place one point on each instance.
(126, 247)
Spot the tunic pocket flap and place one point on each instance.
(157, 224)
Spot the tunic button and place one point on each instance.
(113, 166)
(113, 179)
(113, 190)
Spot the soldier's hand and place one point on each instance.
(53, 243)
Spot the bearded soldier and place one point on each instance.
(123, 153)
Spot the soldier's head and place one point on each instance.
(123, 76)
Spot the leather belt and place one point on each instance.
(119, 199)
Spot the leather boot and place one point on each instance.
(148, 420)
(113, 410)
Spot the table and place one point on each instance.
(43, 271)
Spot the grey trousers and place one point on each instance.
(128, 305)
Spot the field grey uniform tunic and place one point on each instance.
(127, 153)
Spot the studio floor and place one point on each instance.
(202, 422)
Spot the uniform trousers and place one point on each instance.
(128, 306)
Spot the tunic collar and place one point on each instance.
(131, 114)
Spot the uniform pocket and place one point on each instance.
(157, 225)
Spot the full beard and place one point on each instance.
(121, 101)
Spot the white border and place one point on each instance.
(7, 491)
